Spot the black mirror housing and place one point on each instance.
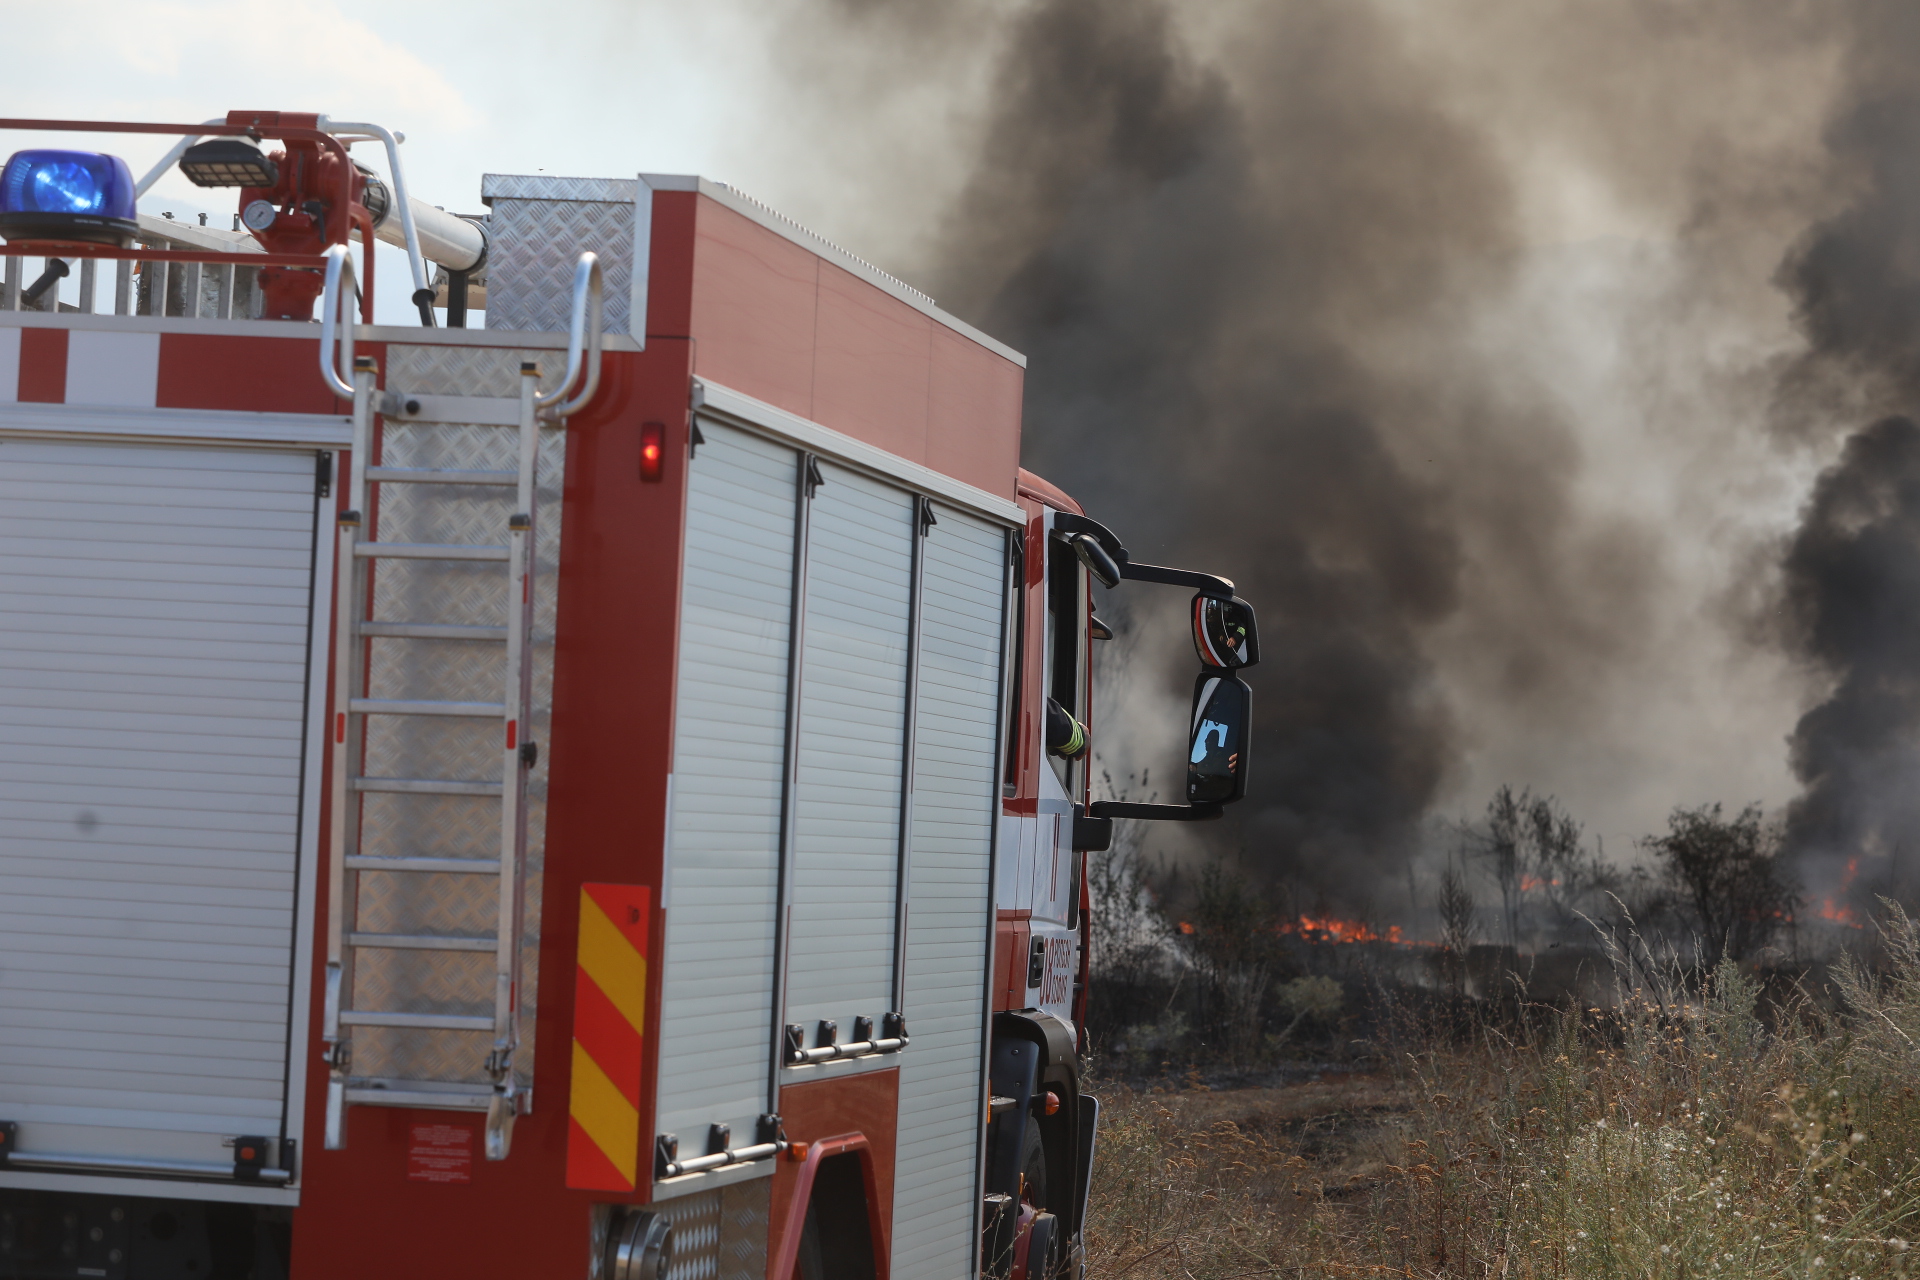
(1224, 633)
(1221, 727)
(1095, 557)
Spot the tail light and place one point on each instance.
(653, 450)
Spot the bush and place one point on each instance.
(1675, 1136)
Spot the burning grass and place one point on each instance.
(1668, 1137)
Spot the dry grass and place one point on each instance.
(1668, 1138)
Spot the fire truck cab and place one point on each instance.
(604, 794)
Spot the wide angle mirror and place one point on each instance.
(1224, 634)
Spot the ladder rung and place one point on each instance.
(422, 1021)
(420, 942)
(415, 707)
(451, 866)
(440, 475)
(427, 786)
(427, 551)
(430, 631)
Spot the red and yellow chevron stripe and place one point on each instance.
(609, 1023)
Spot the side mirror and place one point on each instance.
(1095, 557)
(1224, 634)
(1217, 755)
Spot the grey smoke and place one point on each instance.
(1450, 330)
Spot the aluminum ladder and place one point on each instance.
(497, 1036)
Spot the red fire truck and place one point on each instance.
(604, 794)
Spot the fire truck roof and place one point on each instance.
(546, 187)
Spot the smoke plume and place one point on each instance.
(1457, 333)
(1853, 565)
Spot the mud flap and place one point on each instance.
(1083, 1170)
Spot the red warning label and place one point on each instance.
(440, 1153)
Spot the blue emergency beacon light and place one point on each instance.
(67, 195)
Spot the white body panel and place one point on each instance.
(954, 802)
(723, 858)
(853, 709)
(870, 665)
(156, 612)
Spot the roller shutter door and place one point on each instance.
(853, 708)
(155, 605)
(728, 777)
(955, 798)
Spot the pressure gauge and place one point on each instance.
(258, 215)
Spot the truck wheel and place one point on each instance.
(1033, 1166)
(1042, 1251)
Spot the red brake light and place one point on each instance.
(653, 448)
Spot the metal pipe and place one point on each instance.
(857, 1049)
(721, 1159)
(454, 243)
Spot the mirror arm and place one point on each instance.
(1155, 812)
(1204, 583)
(1067, 524)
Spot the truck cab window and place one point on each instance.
(1066, 642)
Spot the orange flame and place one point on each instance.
(1841, 913)
(1329, 929)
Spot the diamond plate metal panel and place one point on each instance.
(696, 1236)
(533, 245)
(468, 371)
(745, 1212)
(540, 186)
(720, 1235)
(396, 825)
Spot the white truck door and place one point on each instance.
(729, 775)
(955, 798)
(156, 625)
(852, 753)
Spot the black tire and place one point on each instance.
(1045, 1249)
(1033, 1166)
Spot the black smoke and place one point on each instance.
(1197, 270)
(1852, 569)
(1853, 585)
(1278, 268)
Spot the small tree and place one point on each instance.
(1727, 871)
(1127, 930)
(1230, 941)
(1457, 925)
(1506, 830)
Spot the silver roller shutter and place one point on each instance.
(853, 701)
(728, 774)
(955, 798)
(155, 605)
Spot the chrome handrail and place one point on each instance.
(391, 141)
(338, 379)
(583, 340)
